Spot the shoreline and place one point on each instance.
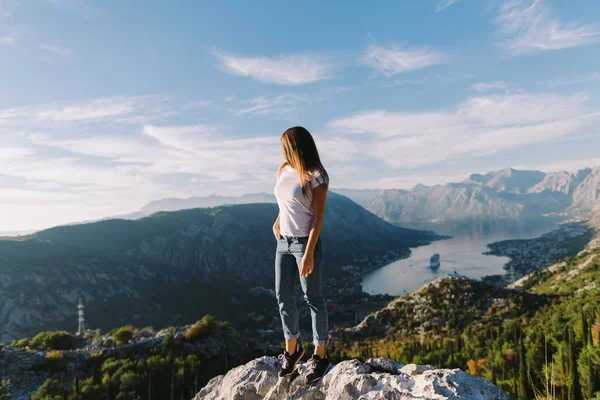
(530, 255)
(525, 255)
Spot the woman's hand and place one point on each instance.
(307, 264)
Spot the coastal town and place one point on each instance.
(528, 255)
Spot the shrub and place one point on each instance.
(123, 335)
(4, 393)
(21, 344)
(148, 329)
(97, 338)
(202, 329)
(60, 340)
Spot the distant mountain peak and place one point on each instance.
(420, 186)
(504, 171)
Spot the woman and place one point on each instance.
(301, 191)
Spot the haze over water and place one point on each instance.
(463, 253)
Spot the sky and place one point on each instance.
(108, 105)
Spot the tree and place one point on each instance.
(585, 330)
(4, 393)
(525, 389)
(589, 365)
(194, 364)
(50, 390)
(55, 361)
(575, 392)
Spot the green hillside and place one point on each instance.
(540, 341)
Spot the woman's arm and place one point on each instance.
(276, 229)
(318, 205)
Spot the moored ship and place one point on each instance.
(434, 262)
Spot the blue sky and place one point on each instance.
(107, 105)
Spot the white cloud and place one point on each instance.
(12, 195)
(183, 138)
(9, 33)
(127, 109)
(138, 159)
(479, 126)
(92, 159)
(395, 60)
(166, 150)
(291, 70)
(96, 109)
(7, 37)
(72, 152)
(566, 165)
(57, 49)
(119, 169)
(14, 153)
(530, 27)
(264, 105)
(69, 171)
(122, 148)
(485, 86)
(336, 149)
(443, 4)
(522, 109)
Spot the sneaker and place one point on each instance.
(317, 367)
(288, 362)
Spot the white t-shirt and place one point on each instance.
(295, 210)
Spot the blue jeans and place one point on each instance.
(287, 269)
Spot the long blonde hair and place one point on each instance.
(301, 154)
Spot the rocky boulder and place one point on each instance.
(377, 378)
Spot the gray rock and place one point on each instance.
(179, 336)
(377, 378)
(382, 364)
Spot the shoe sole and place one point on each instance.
(295, 364)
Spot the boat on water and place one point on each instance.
(434, 261)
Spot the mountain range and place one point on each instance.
(174, 266)
(507, 194)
